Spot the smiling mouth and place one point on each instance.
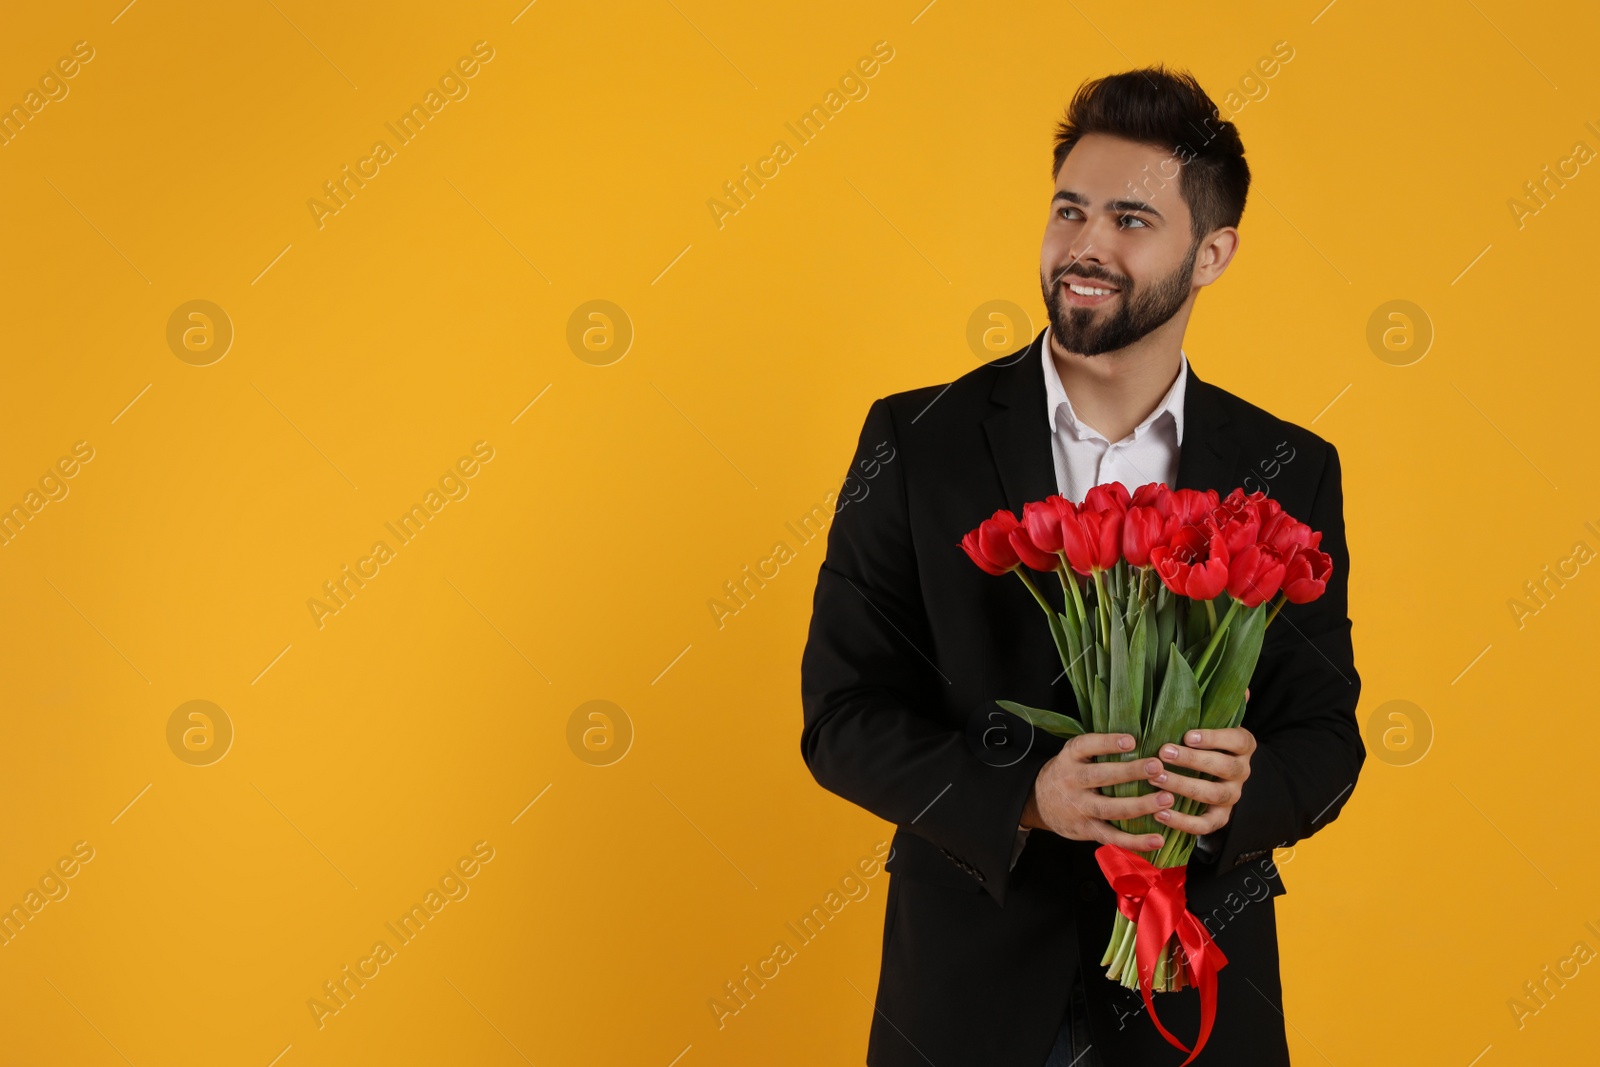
(1087, 294)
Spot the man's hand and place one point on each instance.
(1066, 797)
(1223, 753)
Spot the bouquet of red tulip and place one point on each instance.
(1165, 609)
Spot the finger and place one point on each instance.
(1214, 819)
(1201, 789)
(1085, 747)
(1247, 692)
(1234, 739)
(1113, 772)
(1107, 834)
(1221, 764)
(1125, 808)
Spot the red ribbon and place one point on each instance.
(1154, 899)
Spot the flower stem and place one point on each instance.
(1118, 923)
(1069, 580)
(1126, 961)
(1043, 603)
(1102, 608)
(1065, 574)
(1216, 636)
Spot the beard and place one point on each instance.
(1092, 331)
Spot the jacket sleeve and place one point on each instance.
(872, 685)
(1302, 707)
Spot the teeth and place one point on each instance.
(1084, 290)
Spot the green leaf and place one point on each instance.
(1203, 679)
(1090, 630)
(1223, 702)
(1060, 639)
(1166, 620)
(1136, 670)
(1153, 648)
(1124, 709)
(1151, 680)
(1077, 669)
(1050, 722)
(1197, 631)
(1177, 707)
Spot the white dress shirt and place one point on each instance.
(1085, 459)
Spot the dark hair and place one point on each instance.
(1169, 110)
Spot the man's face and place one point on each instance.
(1117, 222)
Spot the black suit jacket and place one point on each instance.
(910, 643)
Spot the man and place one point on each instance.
(998, 914)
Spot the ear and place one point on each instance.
(1216, 252)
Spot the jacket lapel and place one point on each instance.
(1019, 433)
(1207, 456)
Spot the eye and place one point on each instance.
(1063, 211)
(1133, 218)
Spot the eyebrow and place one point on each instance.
(1111, 205)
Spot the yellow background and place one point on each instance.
(373, 752)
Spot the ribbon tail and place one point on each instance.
(1152, 932)
(1203, 960)
(1153, 900)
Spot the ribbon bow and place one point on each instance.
(1154, 899)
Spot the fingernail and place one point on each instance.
(1124, 742)
(1194, 737)
(1152, 767)
(1165, 798)
(1161, 777)
(1169, 752)
(1161, 815)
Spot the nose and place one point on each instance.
(1085, 250)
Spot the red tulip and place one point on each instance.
(1239, 518)
(1192, 506)
(1030, 553)
(1267, 509)
(1153, 495)
(1092, 540)
(1254, 575)
(1195, 562)
(1285, 534)
(1043, 521)
(1108, 496)
(1306, 574)
(1143, 528)
(989, 545)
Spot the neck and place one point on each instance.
(1115, 391)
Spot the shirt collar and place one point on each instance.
(1057, 404)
